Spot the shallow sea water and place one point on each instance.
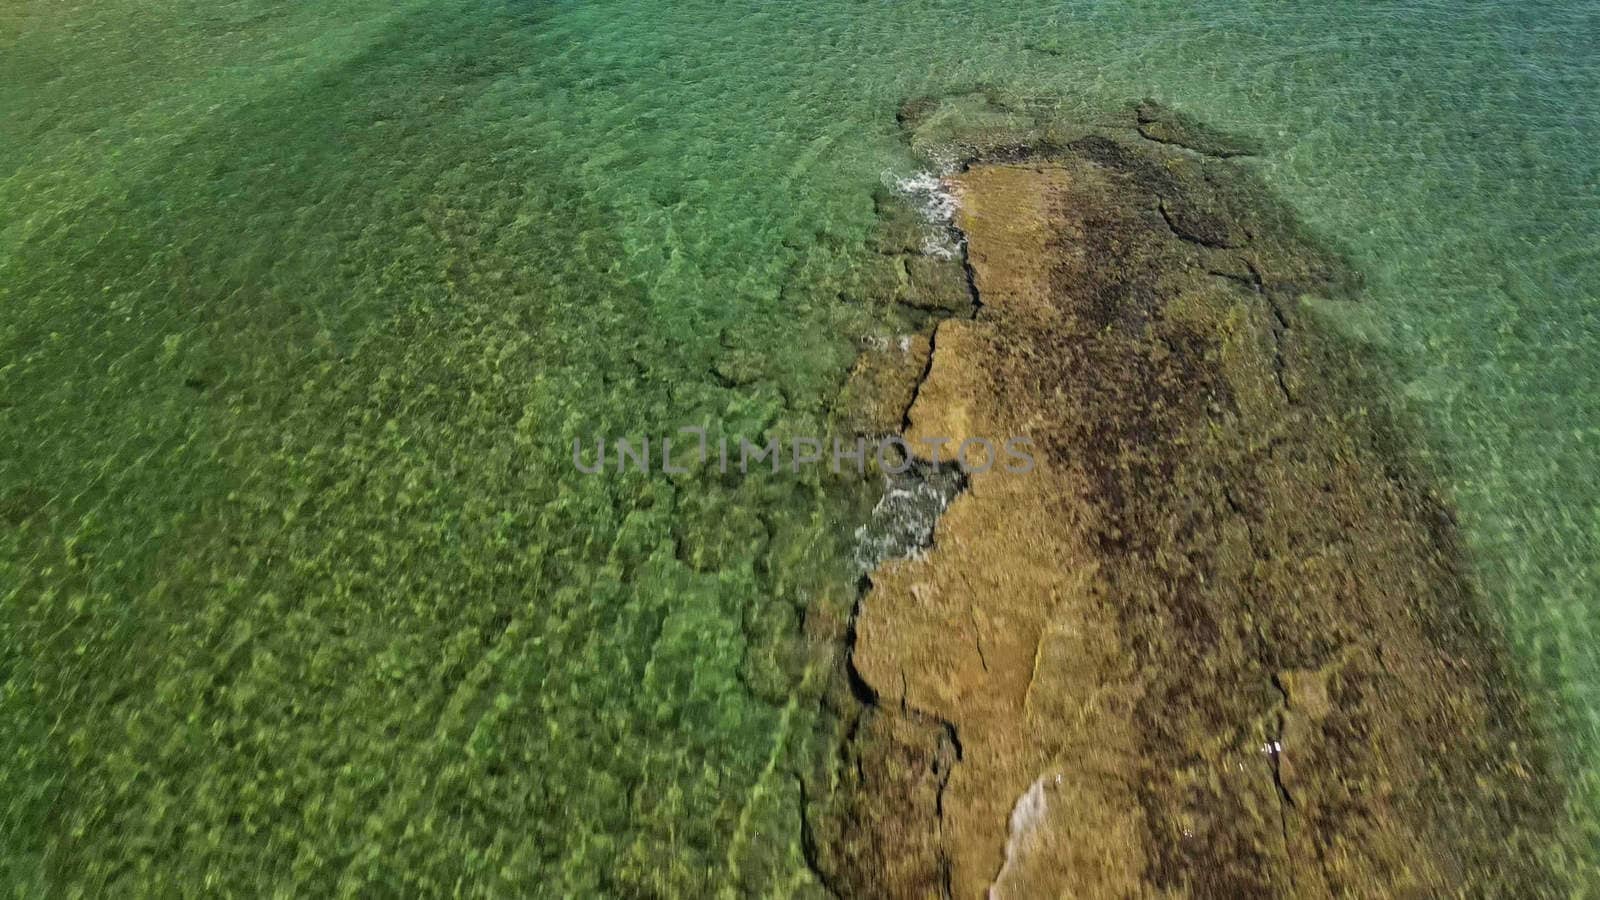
(301, 308)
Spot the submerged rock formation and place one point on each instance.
(1219, 641)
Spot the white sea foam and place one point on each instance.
(930, 193)
(902, 523)
(934, 198)
(940, 246)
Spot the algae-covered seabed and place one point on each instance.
(302, 307)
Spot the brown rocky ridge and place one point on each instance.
(1219, 641)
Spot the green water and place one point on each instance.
(301, 307)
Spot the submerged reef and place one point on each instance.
(1220, 640)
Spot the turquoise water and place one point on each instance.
(302, 306)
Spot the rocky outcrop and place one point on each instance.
(1164, 125)
(1218, 641)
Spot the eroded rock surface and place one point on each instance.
(1168, 126)
(1218, 642)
